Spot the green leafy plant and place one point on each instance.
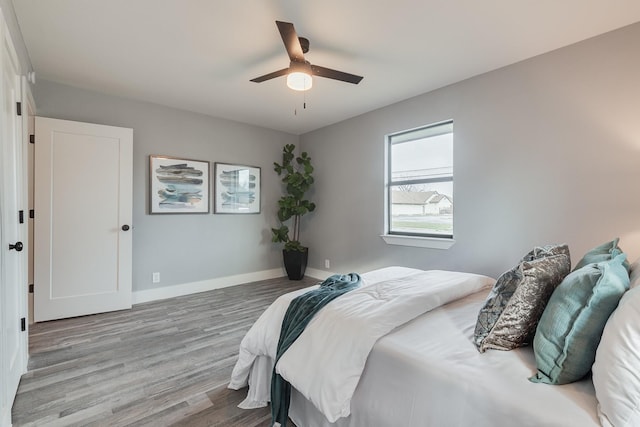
(296, 176)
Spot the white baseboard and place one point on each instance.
(318, 274)
(154, 294)
(164, 292)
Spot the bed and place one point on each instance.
(428, 372)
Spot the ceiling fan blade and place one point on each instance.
(271, 75)
(290, 40)
(334, 74)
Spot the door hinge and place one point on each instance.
(23, 324)
(32, 213)
(31, 288)
(32, 139)
(21, 217)
(19, 108)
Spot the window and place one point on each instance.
(420, 182)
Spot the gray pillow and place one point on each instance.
(512, 310)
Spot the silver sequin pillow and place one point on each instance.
(512, 310)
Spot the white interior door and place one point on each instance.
(83, 198)
(13, 232)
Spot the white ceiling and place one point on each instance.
(199, 55)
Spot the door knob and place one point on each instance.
(18, 246)
(125, 227)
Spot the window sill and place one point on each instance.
(418, 242)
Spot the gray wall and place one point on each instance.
(546, 150)
(16, 36)
(183, 248)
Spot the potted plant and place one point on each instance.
(296, 175)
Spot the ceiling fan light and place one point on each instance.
(299, 81)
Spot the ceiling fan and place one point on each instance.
(300, 71)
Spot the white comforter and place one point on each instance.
(326, 361)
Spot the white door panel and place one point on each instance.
(83, 197)
(12, 254)
(86, 251)
(13, 274)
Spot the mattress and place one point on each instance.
(429, 373)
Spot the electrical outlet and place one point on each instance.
(156, 278)
(327, 263)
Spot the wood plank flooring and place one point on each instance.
(161, 363)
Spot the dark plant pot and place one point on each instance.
(295, 262)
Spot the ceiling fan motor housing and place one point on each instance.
(304, 44)
(300, 67)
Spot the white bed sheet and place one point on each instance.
(428, 373)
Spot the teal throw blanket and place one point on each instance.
(298, 315)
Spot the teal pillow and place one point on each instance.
(604, 252)
(570, 328)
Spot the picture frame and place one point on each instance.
(237, 189)
(178, 185)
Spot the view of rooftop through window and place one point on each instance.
(421, 181)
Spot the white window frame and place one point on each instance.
(424, 240)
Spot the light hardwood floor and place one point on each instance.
(161, 363)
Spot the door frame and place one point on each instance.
(28, 151)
